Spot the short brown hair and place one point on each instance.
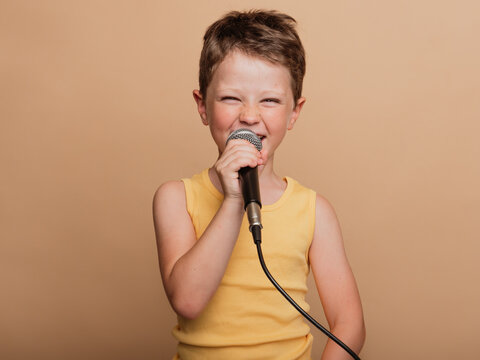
(268, 34)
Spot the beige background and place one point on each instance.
(96, 111)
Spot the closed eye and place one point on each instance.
(229, 98)
(271, 100)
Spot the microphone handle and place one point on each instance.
(251, 196)
(250, 187)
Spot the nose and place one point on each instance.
(250, 115)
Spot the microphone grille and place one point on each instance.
(248, 135)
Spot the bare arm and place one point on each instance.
(192, 269)
(335, 284)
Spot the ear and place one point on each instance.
(295, 113)
(201, 106)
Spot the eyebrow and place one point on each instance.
(263, 93)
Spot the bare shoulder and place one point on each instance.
(327, 247)
(171, 190)
(326, 221)
(324, 207)
(169, 208)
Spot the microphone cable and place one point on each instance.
(257, 239)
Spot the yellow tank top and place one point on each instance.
(247, 318)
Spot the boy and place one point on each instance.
(251, 72)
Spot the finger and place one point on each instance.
(240, 148)
(235, 160)
(264, 156)
(235, 143)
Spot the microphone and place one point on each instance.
(249, 177)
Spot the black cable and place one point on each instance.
(257, 238)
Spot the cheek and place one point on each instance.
(278, 119)
(223, 115)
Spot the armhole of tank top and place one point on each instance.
(189, 198)
(312, 211)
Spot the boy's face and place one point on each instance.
(249, 92)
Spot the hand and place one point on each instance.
(238, 153)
